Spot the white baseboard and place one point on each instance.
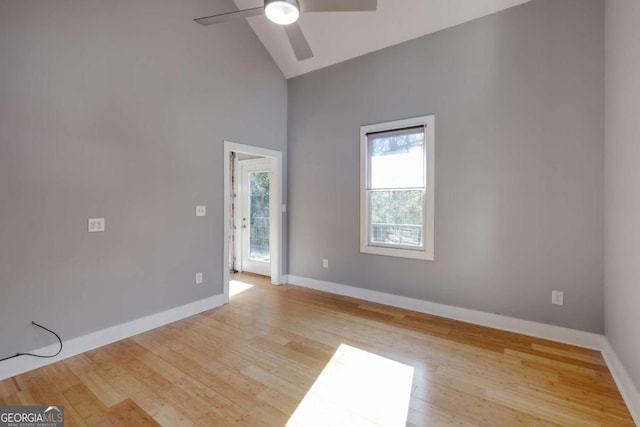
(505, 323)
(75, 346)
(554, 333)
(629, 391)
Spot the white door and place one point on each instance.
(255, 218)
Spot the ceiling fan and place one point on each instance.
(286, 13)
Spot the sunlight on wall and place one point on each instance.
(357, 388)
(236, 287)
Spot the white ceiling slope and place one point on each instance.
(337, 37)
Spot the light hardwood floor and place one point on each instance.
(253, 361)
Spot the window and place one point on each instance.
(397, 188)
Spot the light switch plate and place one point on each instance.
(199, 278)
(95, 225)
(201, 211)
(557, 298)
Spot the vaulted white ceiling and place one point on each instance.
(336, 37)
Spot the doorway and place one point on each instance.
(252, 212)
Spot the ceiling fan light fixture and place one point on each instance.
(282, 12)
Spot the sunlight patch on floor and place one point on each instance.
(236, 287)
(357, 388)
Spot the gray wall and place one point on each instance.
(519, 104)
(622, 182)
(119, 109)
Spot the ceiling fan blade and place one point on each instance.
(338, 5)
(298, 41)
(230, 16)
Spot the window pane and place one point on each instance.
(396, 159)
(397, 217)
(259, 249)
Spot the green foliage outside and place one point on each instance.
(396, 207)
(259, 188)
(259, 214)
(396, 217)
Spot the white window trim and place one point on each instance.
(427, 253)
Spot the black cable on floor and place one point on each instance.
(38, 355)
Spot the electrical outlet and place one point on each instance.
(325, 263)
(557, 298)
(96, 225)
(201, 211)
(199, 278)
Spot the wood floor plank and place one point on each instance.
(127, 413)
(253, 361)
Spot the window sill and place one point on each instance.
(399, 253)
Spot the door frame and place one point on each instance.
(239, 202)
(275, 208)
